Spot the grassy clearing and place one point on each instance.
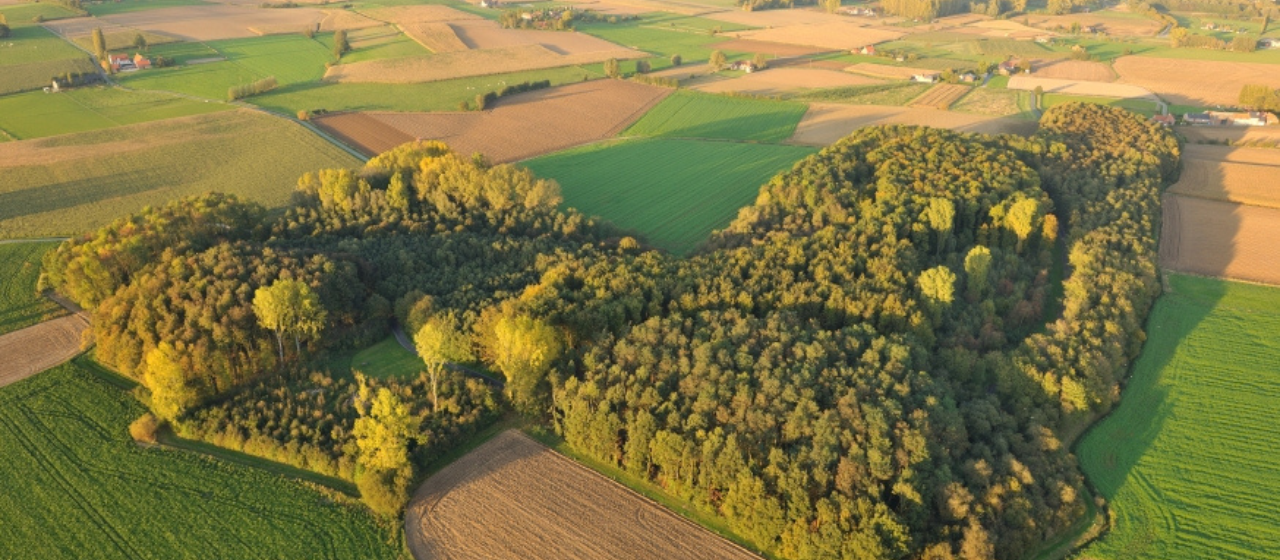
(694, 115)
(37, 114)
(109, 173)
(64, 436)
(375, 43)
(1140, 106)
(673, 193)
(433, 96)
(1188, 458)
(20, 305)
(291, 59)
(384, 360)
(892, 93)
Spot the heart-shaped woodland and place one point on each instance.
(878, 359)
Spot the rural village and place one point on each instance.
(640, 279)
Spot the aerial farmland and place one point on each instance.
(643, 279)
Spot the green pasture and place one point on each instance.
(127, 6)
(664, 35)
(1188, 459)
(672, 193)
(432, 96)
(87, 491)
(291, 59)
(20, 15)
(20, 305)
(386, 360)
(889, 93)
(375, 43)
(253, 155)
(1140, 106)
(38, 114)
(32, 56)
(695, 115)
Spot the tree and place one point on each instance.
(4, 27)
(399, 194)
(831, 6)
(676, 60)
(340, 45)
(642, 67)
(1178, 37)
(139, 42)
(1038, 97)
(611, 68)
(938, 284)
(1244, 43)
(144, 428)
(522, 348)
(440, 342)
(383, 429)
(976, 545)
(99, 44)
(941, 214)
(977, 265)
(1022, 219)
(760, 61)
(717, 61)
(289, 306)
(172, 393)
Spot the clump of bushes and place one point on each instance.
(484, 100)
(248, 90)
(144, 428)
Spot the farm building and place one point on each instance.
(1269, 43)
(743, 66)
(1164, 120)
(930, 78)
(1199, 119)
(968, 77)
(141, 62)
(867, 50)
(1013, 66)
(1251, 118)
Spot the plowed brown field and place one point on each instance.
(1195, 82)
(40, 347)
(520, 127)
(418, 14)
(941, 96)
(1261, 135)
(1113, 25)
(1074, 70)
(435, 37)
(513, 485)
(213, 21)
(836, 35)
(776, 81)
(826, 123)
(1223, 239)
(1242, 175)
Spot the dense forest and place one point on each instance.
(875, 360)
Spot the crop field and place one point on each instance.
(673, 193)
(1187, 460)
(886, 71)
(31, 55)
(777, 81)
(512, 485)
(519, 127)
(122, 39)
(37, 114)
(1195, 82)
(39, 347)
(941, 96)
(431, 96)
(374, 43)
(72, 183)
(835, 35)
(825, 123)
(1080, 87)
(994, 102)
(1262, 136)
(127, 6)
(775, 18)
(891, 93)
(399, 15)
(209, 80)
(63, 433)
(20, 305)
(694, 115)
(1221, 239)
(1075, 70)
(1112, 23)
(1242, 175)
(436, 37)
(1140, 106)
(211, 22)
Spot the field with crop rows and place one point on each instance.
(1188, 459)
(994, 102)
(892, 93)
(671, 192)
(37, 114)
(90, 493)
(692, 115)
(20, 306)
(941, 96)
(72, 183)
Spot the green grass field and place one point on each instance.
(387, 360)
(432, 96)
(31, 56)
(291, 59)
(891, 93)
(673, 193)
(127, 6)
(1140, 106)
(20, 305)
(1188, 459)
(38, 114)
(695, 115)
(86, 491)
(664, 34)
(375, 43)
(70, 191)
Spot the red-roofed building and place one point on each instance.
(141, 62)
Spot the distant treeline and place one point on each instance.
(485, 100)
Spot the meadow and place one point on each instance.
(694, 115)
(673, 193)
(67, 184)
(1140, 106)
(31, 55)
(63, 433)
(129, 6)
(20, 305)
(38, 114)
(384, 360)
(291, 59)
(664, 35)
(1187, 460)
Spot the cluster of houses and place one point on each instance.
(1223, 118)
(1268, 43)
(125, 63)
(743, 66)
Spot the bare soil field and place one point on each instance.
(435, 37)
(1222, 239)
(463, 64)
(1195, 82)
(1002, 28)
(485, 34)
(886, 71)
(1109, 24)
(775, 81)
(826, 123)
(837, 35)
(418, 14)
(363, 131)
(1266, 136)
(212, 22)
(763, 47)
(520, 127)
(1063, 69)
(513, 485)
(782, 18)
(1241, 175)
(941, 96)
(1080, 87)
(40, 347)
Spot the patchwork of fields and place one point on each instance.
(63, 434)
(674, 193)
(1187, 460)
